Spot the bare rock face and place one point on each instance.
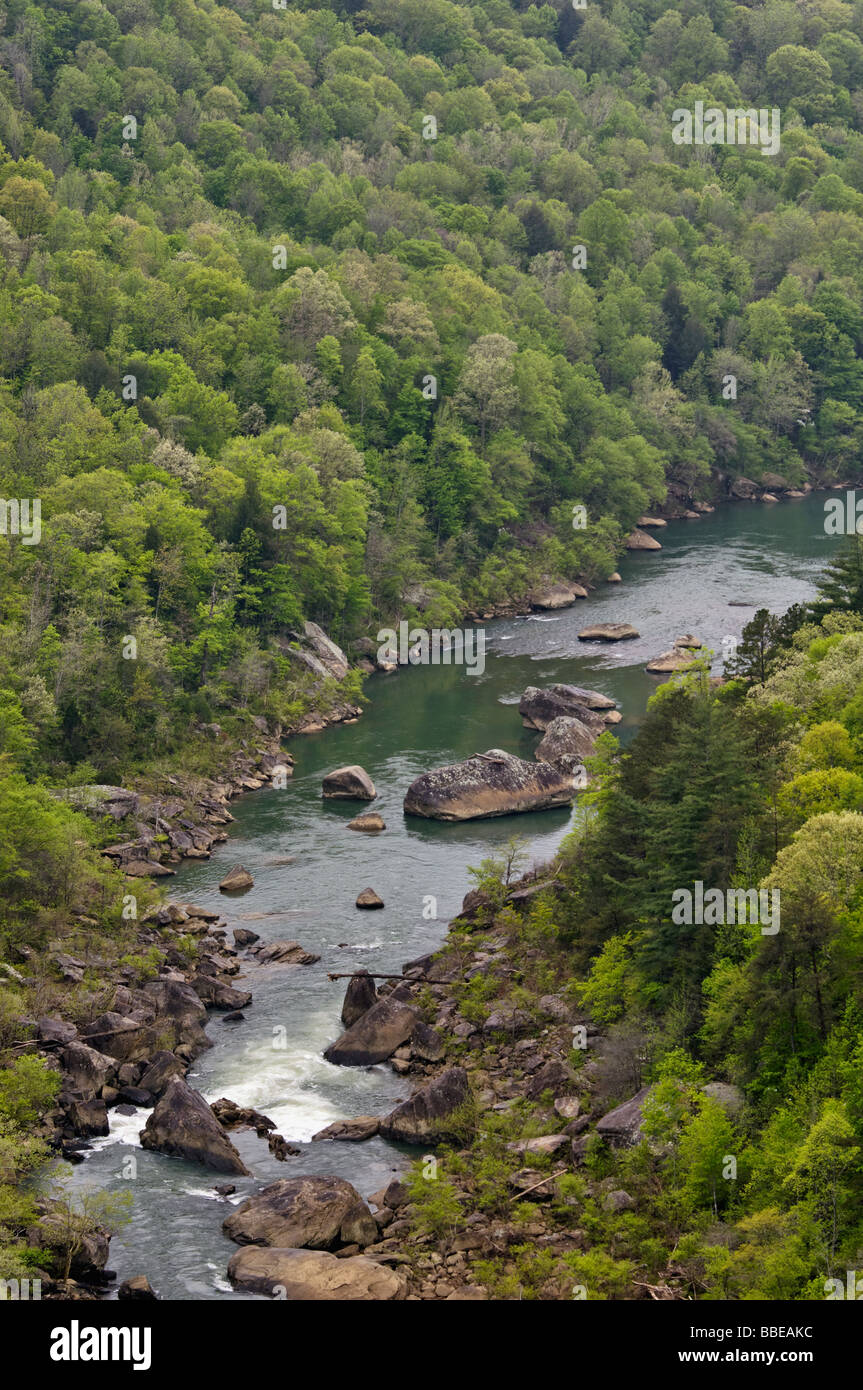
(351, 783)
(313, 1276)
(295, 1213)
(236, 880)
(566, 743)
(427, 1118)
(490, 784)
(639, 540)
(184, 1125)
(375, 1035)
(328, 653)
(560, 594)
(608, 632)
(360, 995)
(85, 1070)
(538, 707)
(622, 1126)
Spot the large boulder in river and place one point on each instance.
(488, 784)
(313, 1276)
(360, 995)
(375, 1035)
(566, 743)
(538, 707)
(428, 1117)
(351, 783)
(183, 1124)
(608, 632)
(369, 899)
(560, 594)
(295, 1213)
(639, 540)
(282, 953)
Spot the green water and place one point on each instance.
(420, 717)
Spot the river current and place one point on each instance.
(308, 867)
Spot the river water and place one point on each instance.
(308, 867)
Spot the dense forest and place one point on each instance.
(338, 313)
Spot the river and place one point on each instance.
(308, 867)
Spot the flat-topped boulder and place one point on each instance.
(561, 594)
(538, 707)
(369, 823)
(314, 1276)
(640, 540)
(351, 783)
(282, 953)
(488, 784)
(376, 1034)
(297, 1213)
(608, 632)
(353, 1131)
(679, 658)
(182, 1124)
(565, 743)
(652, 522)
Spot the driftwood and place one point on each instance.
(549, 1177)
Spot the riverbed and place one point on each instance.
(308, 867)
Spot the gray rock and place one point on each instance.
(490, 784)
(295, 1213)
(428, 1116)
(184, 1125)
(375, 1035)
(622, 1126)
(313, 1276)
(351, 783)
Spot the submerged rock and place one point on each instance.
(370, 823)
(488, 784)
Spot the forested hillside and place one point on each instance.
(341, 313)
(233, 264)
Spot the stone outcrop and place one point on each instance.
(360, 995)
(538, 707)
(640, 540)
(622, 1125)
(427, 1117)
(183, 1124)
(489, 784)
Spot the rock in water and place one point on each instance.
(360, 995)
(639, 540)
(539, 707)
(558, 595)
(369, 898)
(678, 659)
(184, 1125)
(490, 784)
(294, 1213)
(236, 880)
(375, 1035)
(608, 632)
(370, 822)
(136, 1287)
(566, 743)
(348, 784)
(313, 1276)
(427, 1118)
